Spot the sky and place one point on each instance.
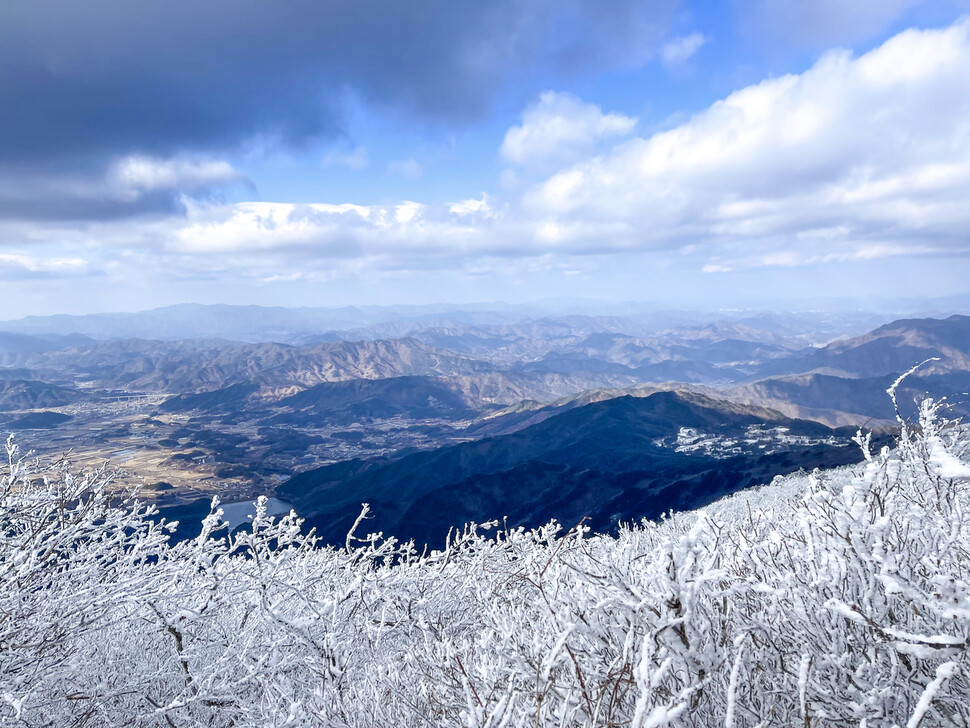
(680, 153)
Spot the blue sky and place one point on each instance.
(697, 154)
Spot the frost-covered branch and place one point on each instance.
(840, 598)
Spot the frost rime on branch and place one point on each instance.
(841, 598)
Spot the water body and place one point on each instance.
(235, 514)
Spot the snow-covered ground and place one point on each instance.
(236, 514)
(756, 439)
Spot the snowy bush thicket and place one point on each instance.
(836, 599)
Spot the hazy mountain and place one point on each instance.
(262, 323)
(515, 386)
(890, 349)
(37, 421)
(200, 365)
(536, 320)
(531, 412)
(844, 400)
(228, 399)
(620, 459)
(21, 343)
(542, 358)
(536, 367)
(362, 400)
(19, 394)
(9, 373)
(18, 344)
(415, 397)
(191, 321)
(846, 381)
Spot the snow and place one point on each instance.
(756, 438)
(943, 672)
(945, 463)
(839, 598)
(235, 514)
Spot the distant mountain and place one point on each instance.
(845, 400)
(14, 343)
(536, 321)
(21, 343)
(228, 399)
(479, 364)
(192, 321)
(331, 404)
(511, 387)
(193, 366)
(890, 349)
(9, 373)
(576, 343)
(346, 402)
(530, 412)
(37, 421)
(846, 381)
(621, 459)
(17, 394)
(260, 323)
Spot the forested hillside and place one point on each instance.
(618, 460)
(839, 598)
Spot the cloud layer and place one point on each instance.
(864, 156)
(857, 159)
(90, 85)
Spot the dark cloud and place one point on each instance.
(65, 207)
(133, 185)
(86, 80)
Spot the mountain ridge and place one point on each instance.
(615, 448)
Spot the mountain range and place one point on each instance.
(621, 459)
(484, 365)
(494, 391)
(311, 325)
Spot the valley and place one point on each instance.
(187, 419)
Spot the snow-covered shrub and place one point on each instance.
(840, 598)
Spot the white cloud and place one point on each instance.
(396, 236)
(560, 129)
(272, 226)
(408, 168)
(869, 151)
(355, 160)
(470, 207)
(132, 185)
(136, 174)
(14, 266)
(677, 51)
